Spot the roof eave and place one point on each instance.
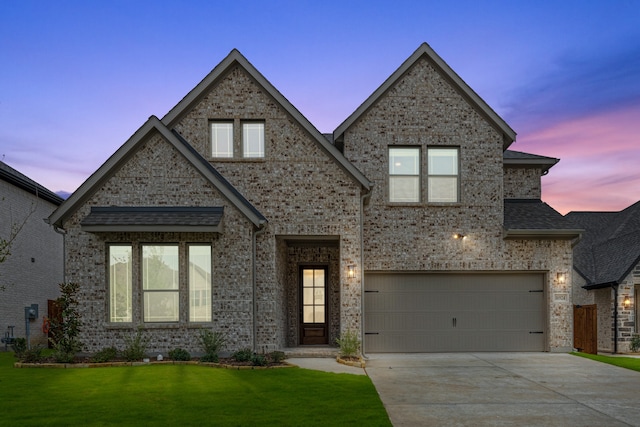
(509, 135)
(152, 228)
(544, 164)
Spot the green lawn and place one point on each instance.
(624, 362)
(185, 395)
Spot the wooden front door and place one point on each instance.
(313, 305)
(585, 328)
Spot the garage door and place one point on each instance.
(454, 312)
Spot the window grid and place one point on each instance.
(222, 139)
(404, 174)
(253, 139)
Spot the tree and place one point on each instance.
(6, 242)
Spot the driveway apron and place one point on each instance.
(504, 389)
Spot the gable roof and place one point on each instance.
(426, 51)
(532, 218)
(610, 247)
(235, 58)
(13, 177)
(123, 154)
(518, 158)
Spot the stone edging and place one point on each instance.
(120, 364)
(359, 364)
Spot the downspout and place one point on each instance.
(615, 318)
(63, 232)
(362, 201)
(255, 234)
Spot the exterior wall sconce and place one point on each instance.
(562, 278)
(351, 271)
(459, 236)
(626, 302)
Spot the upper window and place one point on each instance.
(221, 139)
(443, 176)
(253, 139)
(404, 174)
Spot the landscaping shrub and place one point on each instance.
(243, 355)
(635, 343)
(105, 355)
(136, 346)
(179, 354)
(259, 360)
(349, 344)
(65, 341)
(277, 356)
(24, 354)
(211, 344)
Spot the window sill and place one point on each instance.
(145, 326)
(237, 159)
(425, 205)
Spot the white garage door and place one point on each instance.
(454, 312)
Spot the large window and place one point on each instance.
(221, 139)
(404, 174)
(120, 278)
(199, 283)
(170, 276)
(253, 139)
(442, 169)
(160, 283)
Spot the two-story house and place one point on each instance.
(413, 224)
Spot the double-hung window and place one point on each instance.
(443, 176)
(161, 283)
(404, 174)
(253, 139)
(221, 139)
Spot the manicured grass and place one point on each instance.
(185, 395)
(624, 362)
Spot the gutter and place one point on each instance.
(256, 232)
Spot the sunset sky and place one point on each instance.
(77, 78)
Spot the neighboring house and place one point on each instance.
(34, 269)
(607, 263)
(234, 213)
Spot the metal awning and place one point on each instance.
(153, 218)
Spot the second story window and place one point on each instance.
(253, 139)
(443, 175)
(404, 174)
(221, 139)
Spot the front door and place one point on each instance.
(313, 305)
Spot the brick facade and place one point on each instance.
(31, 274)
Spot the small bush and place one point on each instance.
(19, 347)
(105, 355)
(68, 327)
(243, 355)
(211, 344)
(24, 354)
(135, 346)
(259, 360)
(349, 344)
(179, 354)
(277, 356)
(635, 343)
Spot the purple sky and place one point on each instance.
(77, 78)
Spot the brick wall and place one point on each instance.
(522, 183)
(423, 110)
(32, 272)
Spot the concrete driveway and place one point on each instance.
(504, 389)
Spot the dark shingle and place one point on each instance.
(129, 218)
(22, 181)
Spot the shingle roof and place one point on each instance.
(153, 218)
(515, 158)
(12, 176)
(535, 219)
(610, 246)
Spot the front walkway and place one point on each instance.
(504, 389)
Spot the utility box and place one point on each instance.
(31, 313)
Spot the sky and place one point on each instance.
(78, 78)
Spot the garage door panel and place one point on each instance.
(454, 312)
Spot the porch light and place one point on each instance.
(458, 236)
(351, 271)
(562, 278)
(627, 302)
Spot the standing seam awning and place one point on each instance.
(155, 218)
